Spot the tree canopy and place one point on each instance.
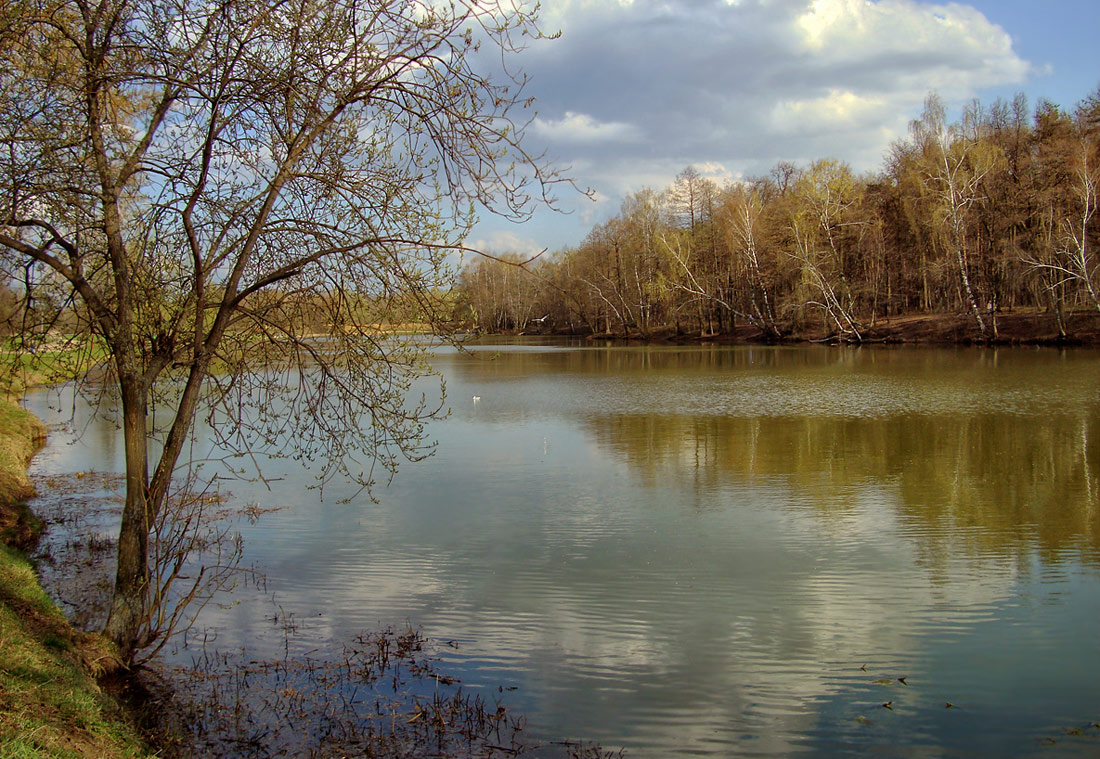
(235, 199)
(995, 212)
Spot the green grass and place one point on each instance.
(50, 703)
(60, 360)
(21, 434)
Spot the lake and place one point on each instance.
(718, 551)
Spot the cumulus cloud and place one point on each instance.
(504, 241)
(635, 90)
(581, 128)
(837, 112)
(952, 47)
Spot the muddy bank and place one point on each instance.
(21, 436)
(1012, 328)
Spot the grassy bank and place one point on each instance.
(50, 702)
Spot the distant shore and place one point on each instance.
(1013, 328)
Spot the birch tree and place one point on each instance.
(954, 167)
(823, 199)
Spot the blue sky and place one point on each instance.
(636, 90)
(1059, 38)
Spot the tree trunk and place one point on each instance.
(130, 599)
(975, 307)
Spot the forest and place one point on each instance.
(985, 223)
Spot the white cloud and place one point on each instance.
(635, 91)
(503, 241)
(581, 128)
(716, 172)
(953, 44)
(838, 109)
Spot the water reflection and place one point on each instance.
(696, 550)
(984, 439)
(1013, 481)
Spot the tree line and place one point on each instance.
(994, 212)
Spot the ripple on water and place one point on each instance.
(692, 552)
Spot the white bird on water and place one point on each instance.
(477, 398)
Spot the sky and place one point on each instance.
(634, 91)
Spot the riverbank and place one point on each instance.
(51, 704)
(1025, 327)
(380, 695)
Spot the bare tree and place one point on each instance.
(955, 165)
(1070, 258)
(201, 177)
(742, 215)
(823, 198)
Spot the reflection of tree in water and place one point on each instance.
(976, 446)
(998, 482)
(600, 357)
(944, 365)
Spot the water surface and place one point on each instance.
(718, 551)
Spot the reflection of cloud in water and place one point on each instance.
(625, 637)
(746, 665)
(707, 581)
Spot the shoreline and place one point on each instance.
(151, 712)
(54, 700)
(1013, 328)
